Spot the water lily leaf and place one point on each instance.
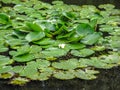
(54, 52)
(7, 75)
(22, 50)
(35, 49)
(34, 36)
(4, 19)
(5, 60)
(16, 42)
(45, 41)
(82, 52)
(44, 76)
(3, 48)
(98, 48)
(107, 6)
(17, 69)
(87, 74)
(111, 59)
(5, 69)
(83, 63)
(64, 75)
(84, 29)
(19, 81)
(91, 39)
(27, 71)
(42, 63)
(75, 46)
(66, 64)
(24, 58)
(95, 62)
(34, 26)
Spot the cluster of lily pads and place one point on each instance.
(39, 41)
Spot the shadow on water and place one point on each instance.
(107, 80)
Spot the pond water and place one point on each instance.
(107, 80)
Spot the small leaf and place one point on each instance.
(24, 58)
(84, 29)
(19, 81)
(66, 64)
(34, 36)
(64, 75)
(91, 39)
(34, 27)
(82, 53)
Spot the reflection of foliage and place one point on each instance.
(59, 40)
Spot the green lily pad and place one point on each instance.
(5, 60)
(4, 19)
(19, 81)
(35, 27)
(98, 48)
(7, 75)
(66, 64)
(82, 52)
(91, 39)
(3, 48)
(107, 6)
(5, 69)
(42, 63)
(64, 75)
(34, 36)
(27, 71)
(84, 29)
(45, 41)
(24, 58)
(54, 52)
(87, 74)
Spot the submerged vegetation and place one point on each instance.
(39, 41)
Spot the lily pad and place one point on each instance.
(82, 52)
(34, 36)
(66, 64)
(84, 29)
(91, 39)
(24, 58)
(64, 75)
(5, 60)
(19, 81)
(87, 74)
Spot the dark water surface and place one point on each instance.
(107, 80)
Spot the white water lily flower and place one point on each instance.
(61, 45)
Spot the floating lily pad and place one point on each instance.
(34, 36)
(66, 64)
(64, 75)
(87, 74)
(5, 69)
(82, 52)
(19, 81)
(54, 52)
(7, 75)
(24, 58)
(84, 29)
(91, 39)
(5, 60)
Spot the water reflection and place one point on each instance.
(107, 80)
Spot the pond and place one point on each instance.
(107, 79)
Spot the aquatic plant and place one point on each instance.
(40, 41)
